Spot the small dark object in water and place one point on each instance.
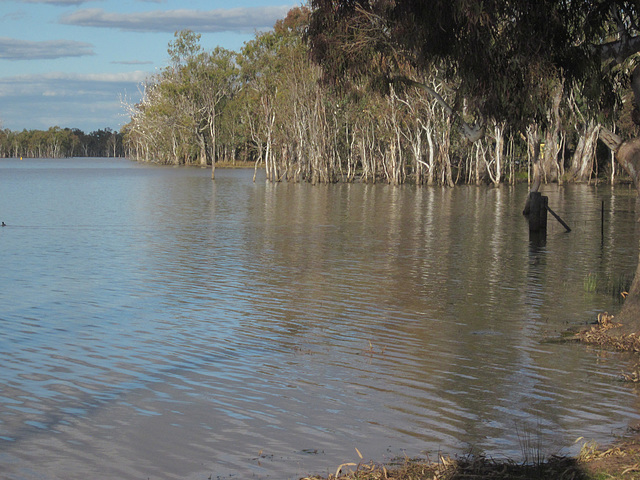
(4, 224)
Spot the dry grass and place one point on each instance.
(600, 334)
(460, 469)
(621, 462)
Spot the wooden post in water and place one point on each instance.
(537, 212)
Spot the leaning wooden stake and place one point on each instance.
(536, 210)
(559, 219)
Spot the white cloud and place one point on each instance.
(132, 62)
(62, 3)
(242, 20)
(121, 77)
(86, 101)
(60, 84)
(14, 49)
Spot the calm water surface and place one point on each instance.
(156, 324)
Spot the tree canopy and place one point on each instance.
(503, 57)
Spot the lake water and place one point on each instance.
(156, 324)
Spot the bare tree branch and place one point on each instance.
(473, 133)
(618, 50)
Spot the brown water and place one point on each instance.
(156, 324)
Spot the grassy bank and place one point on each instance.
(621, 461)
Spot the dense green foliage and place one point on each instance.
(378, 91)
(178, 119)
(59, 142)
(503, 58)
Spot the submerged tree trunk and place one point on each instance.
(549, 162)
(203, 151)
(628, 156)
(585, 154)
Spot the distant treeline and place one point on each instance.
(59, 142)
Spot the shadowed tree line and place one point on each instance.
(59, 142)
(513, 64)
(297, 101)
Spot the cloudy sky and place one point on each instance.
(70, 63)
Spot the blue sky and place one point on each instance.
(70, 63)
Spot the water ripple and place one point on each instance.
(176, 328)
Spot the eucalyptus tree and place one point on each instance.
(205, 80)
(258, 66)
(164, 125)
(177, 119)
(505, 58)
(161, 128)
(218, 80)
(286, 111)
(586, 130)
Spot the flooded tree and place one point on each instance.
(178, 118)
(333, 94)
